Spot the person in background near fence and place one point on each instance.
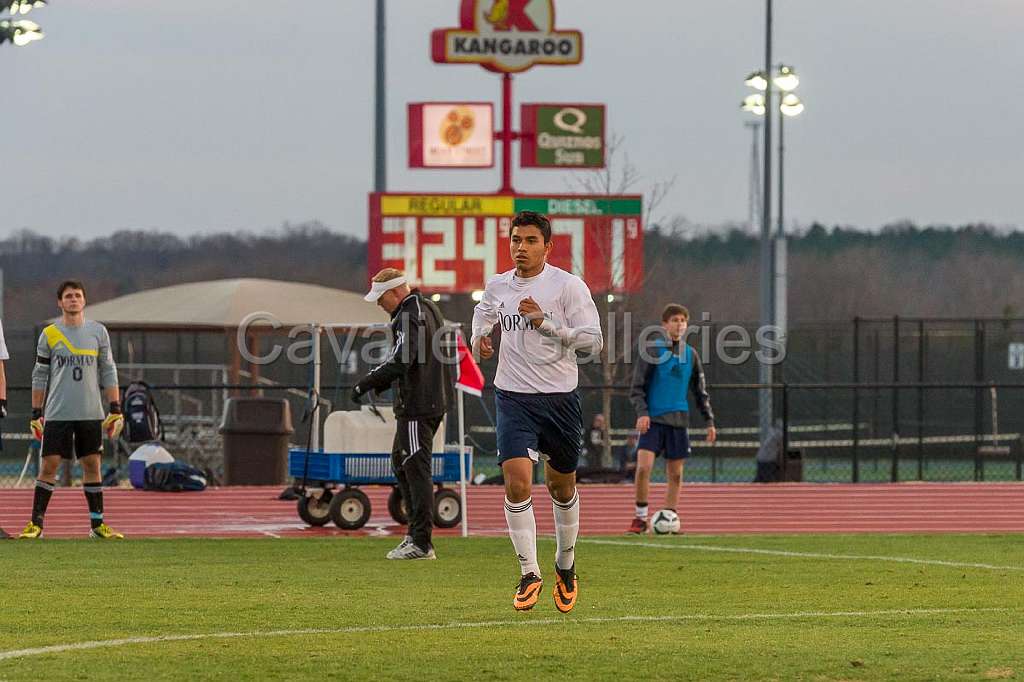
(547, 316)
(424, 387)
(74, 361)
(627, 456)
(595, 441)
(666, 370)
(4, 356)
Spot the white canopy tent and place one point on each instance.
(242, 307)
(226, 304)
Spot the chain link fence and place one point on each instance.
(857, 405)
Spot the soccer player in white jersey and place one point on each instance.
(547, 316)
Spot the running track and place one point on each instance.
(607, 510)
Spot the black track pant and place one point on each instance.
(410, 458)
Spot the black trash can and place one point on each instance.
(793, 472)
(256, 433)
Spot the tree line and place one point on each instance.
(835, 272)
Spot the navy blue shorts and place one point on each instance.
(662, 439)
(531, 424)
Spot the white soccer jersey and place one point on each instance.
(539, 360)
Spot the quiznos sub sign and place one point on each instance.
(562, 136)
(507, 36)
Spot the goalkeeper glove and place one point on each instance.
(114, 422)
(36, 425)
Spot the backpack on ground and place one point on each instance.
(142, 421)
(174, 477)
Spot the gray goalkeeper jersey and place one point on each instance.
(75, 362)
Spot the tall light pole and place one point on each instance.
(754, 179)
(773, 250)
(764, 371)
(789, 106)
(767, 272)
(380, 161)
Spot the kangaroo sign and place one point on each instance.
(507, 36)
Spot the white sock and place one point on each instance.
(522, 529)
(567, 527)
(641, 512)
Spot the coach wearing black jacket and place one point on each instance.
(422, 396)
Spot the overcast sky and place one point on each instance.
(191, 116)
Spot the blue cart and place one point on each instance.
(323, 473)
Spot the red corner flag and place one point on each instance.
(470, 379)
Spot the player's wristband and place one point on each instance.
(115, 407)
(37, 413)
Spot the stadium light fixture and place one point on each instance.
(754, 104)
(21, 6)
(786, 79)
(757, 81)
(20, 31)
(791, 105)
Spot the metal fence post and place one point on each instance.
(855, 475)
(920, 400)
(979, 405)
(894, 474)
(785, 429)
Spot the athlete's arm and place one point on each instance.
(485, 315)
(699, 386)
(582, 333)
(107, 369)
(638, 387)
(40, 373)
(3, 374)
(401, 357)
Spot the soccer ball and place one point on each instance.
(665, 522)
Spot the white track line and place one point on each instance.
(100, 644)
(805, 555)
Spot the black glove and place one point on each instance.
(356, 395)
(3, 407)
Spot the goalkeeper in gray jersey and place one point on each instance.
(73, 365)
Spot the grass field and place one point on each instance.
(738, 607)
